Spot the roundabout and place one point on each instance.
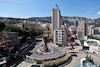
(36, 54)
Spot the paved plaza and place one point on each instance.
(76, 60)
(24, 64)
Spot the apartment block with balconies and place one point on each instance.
(60, 37)
(8, 39)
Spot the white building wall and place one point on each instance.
(85, 44)
(94, 48)
(59, 37)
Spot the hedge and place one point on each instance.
(57, 63)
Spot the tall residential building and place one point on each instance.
(9, 39)
(90, 29)
(76, 24)
(8, 42)
(98, 28)
(47, 31)
(80, 34)
(96, 31)
(55, 19)
(82, 25)
(60, 36)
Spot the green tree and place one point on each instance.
(2, 26)
(23, 25)
(48, 33)
(32, 33)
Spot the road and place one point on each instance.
(56, 52)
(33, 53)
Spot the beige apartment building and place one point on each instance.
(90, 29)
(59, 34)
(47, 31)
(55, 19)
(82, 25)
(80, 34)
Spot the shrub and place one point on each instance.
(88, 59)
(57, 63)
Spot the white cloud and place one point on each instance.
(98, 13)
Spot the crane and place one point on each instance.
(65, 29)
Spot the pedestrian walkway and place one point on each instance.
(75, 61)
(24, 64)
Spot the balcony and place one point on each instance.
(5, 41)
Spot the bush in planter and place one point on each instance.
(46, 64)
(52, 64)
(57, 63)
(49, 64)
(88, 59)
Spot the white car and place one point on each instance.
(72, 52)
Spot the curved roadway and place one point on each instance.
(56, 52)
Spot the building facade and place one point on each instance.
(47, 31)
(93, 44)
(90, 29)
(82, 25)
(55, 19)
(8, 42)
(60, 37)
(9, 39)
(76, 24)
(80, 34)
(96, 31)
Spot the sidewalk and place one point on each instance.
(92, 52)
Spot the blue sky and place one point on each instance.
(43, 8)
